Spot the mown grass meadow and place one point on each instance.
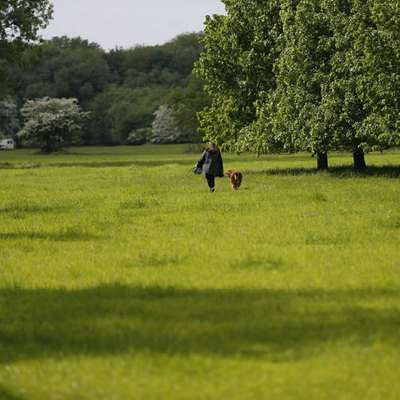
(122, 277)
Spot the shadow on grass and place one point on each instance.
(102, 164)
(277, 325)
(67, 235)
(7, 395)
(386, 171)
(7, 165)
(24, 209)
(113, 164)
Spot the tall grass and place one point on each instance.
(122, 277)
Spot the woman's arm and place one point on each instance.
(202, 160)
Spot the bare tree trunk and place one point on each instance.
(322, 161)
(359, 160)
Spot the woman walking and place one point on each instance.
(211, 164)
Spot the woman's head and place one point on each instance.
(212, 146)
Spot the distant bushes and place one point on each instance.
(139, 137)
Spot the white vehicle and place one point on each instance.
(7, 144)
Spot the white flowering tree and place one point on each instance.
(52, 123)
(165, 126)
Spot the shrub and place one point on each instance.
(52, 123)
(139, 136)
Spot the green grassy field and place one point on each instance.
(122, 277)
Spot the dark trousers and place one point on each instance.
(210, 180)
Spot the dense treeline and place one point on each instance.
(122, 88)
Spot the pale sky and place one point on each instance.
(127, 23)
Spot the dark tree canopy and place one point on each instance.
(64, 67)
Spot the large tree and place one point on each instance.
(240, 50)
(294, 75)
(365, 85)
(295, 115)
(339, 76)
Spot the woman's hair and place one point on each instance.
(212, 146)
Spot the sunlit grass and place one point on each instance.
(122, 277)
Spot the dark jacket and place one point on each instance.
(211, 163)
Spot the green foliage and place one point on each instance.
(240, 50)
(139, 136)
(169, 64)
(21, 20)
(119, 110)
(290, 115)
(63, 67)
(52, 123)
(187, 102)
(9, 121)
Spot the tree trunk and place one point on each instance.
(359, 160)
(322, 161)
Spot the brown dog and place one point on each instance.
(235, 177)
